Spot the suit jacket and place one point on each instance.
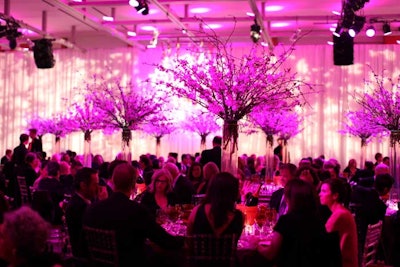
(183, 190)
(74, 217)
(36, 145)
(4, 160)
(213, 155)
(132, 224)
(276, 199)
(19, 154)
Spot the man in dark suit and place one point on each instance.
(36, 143)
(86, 186)
(20, 151)
(213, 154)
(368, 207)
(7, 157)
(277, 202)
(182, 186)
(131, 222)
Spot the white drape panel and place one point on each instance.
(28, 91)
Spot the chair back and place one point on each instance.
(24, 190)
(102, 246)
(371, 244)
(43, 204)
(209, 250)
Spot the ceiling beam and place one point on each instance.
(126, 2)
(172, 17)
(86, 18)
(259, 19)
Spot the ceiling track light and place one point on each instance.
(357, 26)
(142, 7)
(386, 29)
(255, 32)
(370, 32)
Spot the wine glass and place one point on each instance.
(260, 220)
(271, 218)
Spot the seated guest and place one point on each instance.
(195, 174)
(299, 237)
(132, 223)
(182, 186)
(210, 170)
(351, 170)
(217, 214)
(86, 185)
(159, 194)
(333, 194)
(66, 179)
(7, 157)
(368, 206)
(52, 185)
(28, 168)
(287, 172)
(365, 177)
(24, 237)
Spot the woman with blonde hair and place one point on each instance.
(159, 194)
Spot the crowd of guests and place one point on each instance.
(323, 211)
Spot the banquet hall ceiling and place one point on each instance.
(82, 24)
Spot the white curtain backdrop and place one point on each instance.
(28, 92)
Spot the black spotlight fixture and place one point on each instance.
(343, 49)
(357, 26)
(43, 54)
(255, 32)
(142, 7)
(386, 29)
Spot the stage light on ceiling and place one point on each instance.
(337, 31)
(386, 29)
(250, 14)
(131, 33)
(108, 18)
(357, 26)
(370, 32)
(335, 12)
(134, 3)
(142, 7)
(255, 32)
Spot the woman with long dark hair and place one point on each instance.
(217, 213)
(299, 238)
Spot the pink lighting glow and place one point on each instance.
(250, 14)
(329, 43)
(108, 18)
(273, 8)
(214, 26)
(148, 28)
(131, 33)
(280, 24)
(398, 42)
(199, 10)
(335, 12)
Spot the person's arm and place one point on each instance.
(190, 223)
(271, 252)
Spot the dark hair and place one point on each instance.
(338, 186)
(369, 165)
(383, 181)
(23, 138)
(30, 157)
(378, 155)
(156, 164)
(103, 170)
(301, 196)
(190, 175)
(124, 177)
(53, 168)
(313, 173)
(222, 194)
(145, 160)
(217, 140)
(83, 176)
(290, 167)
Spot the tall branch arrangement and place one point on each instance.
(231, 87)
(381, 102)
(356, 125)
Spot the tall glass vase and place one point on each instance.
(230, 136)
(395, 162)
(158, 146)
(57, 145)
(87, 149)
(126, 144)
(269, 158)
(363, 152)
(203, 138)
